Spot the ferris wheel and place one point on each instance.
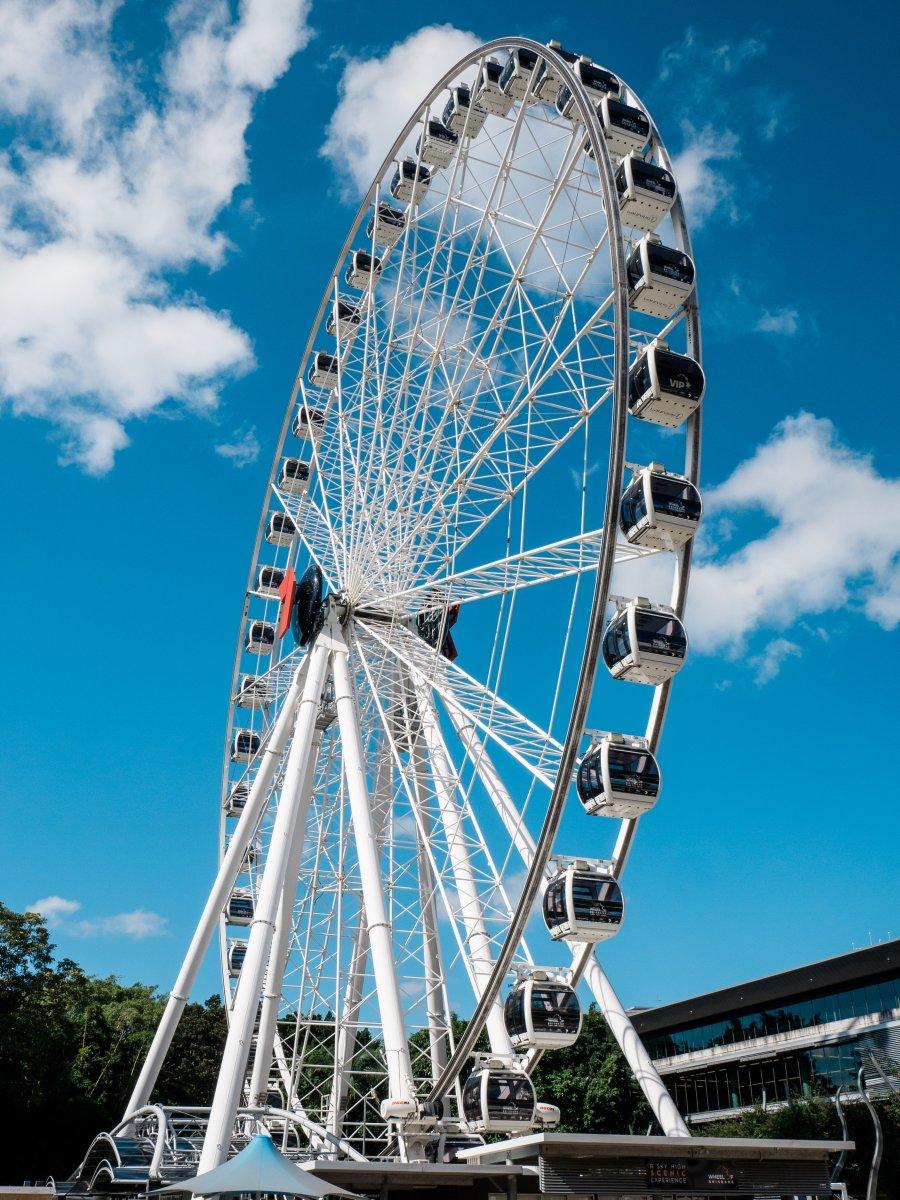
(432, 776)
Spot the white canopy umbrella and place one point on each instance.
(259, 1169)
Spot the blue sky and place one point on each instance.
(170, 207)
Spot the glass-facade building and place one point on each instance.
(801, 1032)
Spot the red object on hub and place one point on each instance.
(286, 590)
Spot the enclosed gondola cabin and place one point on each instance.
(323, 371)
(583, 904)
(461, 116)
(618, 777)
(281, 530)
(411, 181)
(362, 270)
(660, 510)
(597, 81)
(664, 387)
(660, 278)
(344, 319)
(646, 192)
(437, 144)
(644, 643)
(293, 479)
(542, 1013)
(308, 424)
(253, 692)
(236, 800)
(625, 128)
(519, 74)
(260, 638)
(498, 1100)
(386, 224)
(245, 746)
(548, 80)
(487, 93)
(239, 909)
(268, 581)
(237, 952)
(446, 1146)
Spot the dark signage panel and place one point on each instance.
(694, 1174)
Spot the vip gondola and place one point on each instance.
(411, 181)
(245, 746)
(659, 510)
(344, 319)
(644, 643)
(461, 116)
(542, 1012)
(583, 902)
(260, 638)
(498, 1099)
(646, 192)
(437, 144)
(386, 224)
(281, 530)
(239, 910)
(323, 371)
(363, 269)
(660, 278)
(618, 777)
(293, 479)
(308, 424)
(664, 387)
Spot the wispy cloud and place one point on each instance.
(138, 924)
(243, 451)
(768, 664)
(783, 321)
(110, 188)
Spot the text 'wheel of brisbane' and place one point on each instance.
(418, 816)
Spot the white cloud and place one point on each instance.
(138, 924)
(243, 451)
(774, 655)
(53, 909)
(784, 320)
(105, 192)
(704, 185)
(378, 96)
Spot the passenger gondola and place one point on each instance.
(445, 1147)
(363, 269)
(437, 144)
(260, 638)
(245, 746)
(461, 116)
(386, 224)
(660, 510)
(239, 909)
(543, 1012)
(268, 581)
(646, 192)
(644, 643)
(618, 777)
(281, 530)
(660, 278)
(583, 903)
(664, 387)
(344, 319)
(487, 93)
(294, 477)
(597, 82)
(625, 128)
(519, 74)
(548, 81)
(498, 1099)
(253, 692)
(236, 800)
(308, 424)
(546, 1116)
(237, 952)
(411, 181)
(323, 371)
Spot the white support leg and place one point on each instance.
(444, 777)
(232, 1071)
(396, 1048)
(265, 1038)
(218, 896)
(639, 1060)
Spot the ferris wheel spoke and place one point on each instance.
(314, 532)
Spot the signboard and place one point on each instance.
(691, 1174)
